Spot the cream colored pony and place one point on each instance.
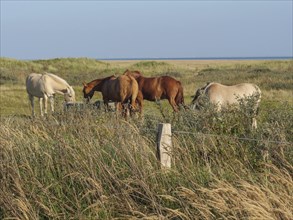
(44, 86)
(223, 96)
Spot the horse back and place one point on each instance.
(128, 86)
(171, 87)
(223, 94)
(34, 85)
(120, 89)
(155, 88)
(150, 87)
(111, 90)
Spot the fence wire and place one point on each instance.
(225, 136)
(152, 118)
(232, 137)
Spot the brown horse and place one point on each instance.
(117, 89)
(157, 88)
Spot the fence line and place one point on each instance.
(164, 142)
(225, 136)
(216, 135)
(204, 134)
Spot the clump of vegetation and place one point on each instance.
(150, 64)
(74, 69)
(260, 69)
(174, 74)
(208, 70)
(15, 71)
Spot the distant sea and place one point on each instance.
(203, 58)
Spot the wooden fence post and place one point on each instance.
(164, 145)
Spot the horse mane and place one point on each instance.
(208, 84)
(202, 89)
(56, 78)
(134, 73)
(96, 82)
(108, 78)
(100, 80)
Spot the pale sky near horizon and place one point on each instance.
(146, 29)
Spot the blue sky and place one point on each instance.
(145, 29)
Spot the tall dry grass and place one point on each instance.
(92, 165)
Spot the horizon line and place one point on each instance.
(200, 58)
(169, 58)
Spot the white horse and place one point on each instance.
(223, 96)
(44, 86)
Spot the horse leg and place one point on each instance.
(106, 105)
(125, 110)
(173, 104)
(52, 103)
(139, 101)
(140, 106)
(118, 108)
(31, 98)
(131, 107)
(46, 104)
(255, 113)
(254, 123)
(41, 106)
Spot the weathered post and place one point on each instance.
(164, 145)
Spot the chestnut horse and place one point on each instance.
(117, 89)
(157, 88)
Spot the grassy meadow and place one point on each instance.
(93, 165)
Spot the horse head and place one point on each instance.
(88, 91)
(196, 101)
(69, 95)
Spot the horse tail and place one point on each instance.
(179, 99)
(134, 87)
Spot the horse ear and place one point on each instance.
(84, 84)
(126, 71)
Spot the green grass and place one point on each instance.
(94, 165)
